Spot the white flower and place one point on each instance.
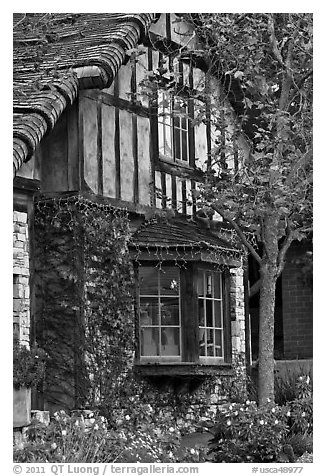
(288, 413)
(261, 422)
(303, 414)
(91, 421)
(248, 402)
(273, 410)
(64, 432)
(171, 429)
(192, 451)
(54, 446)
(96, 427)
(127, 417)
(230, 407)
(276, 422)
(236, 413)
(174, 284)
(268, 400)
(228, 422)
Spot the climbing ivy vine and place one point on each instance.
(84, 302)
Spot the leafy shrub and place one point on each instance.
(301, 408)
(246, 433)
(28, 365)
(287, 387)
(300, 443)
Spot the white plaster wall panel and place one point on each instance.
(30, 169)
(198, 79)
(179, 182)
(144, 162)
(155, 59)
(182, 32)
(109, 90)
(189, 197)
(201, 146)
(186, 72)
(168, 180)
(108, 150)
(124, 78)
(126, 157)
(159, 28)
(158, 187)
(141, 73)
(89, 111)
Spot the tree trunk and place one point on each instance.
(268, 277)
(266, 334)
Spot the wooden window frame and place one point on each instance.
(189, 319)
(188, 131)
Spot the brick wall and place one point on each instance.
(297, 309)
(21, 304)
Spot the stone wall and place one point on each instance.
(21, 291)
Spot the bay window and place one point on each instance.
(183, 314)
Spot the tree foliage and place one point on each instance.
(264, 63)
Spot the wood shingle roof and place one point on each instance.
(54, 56)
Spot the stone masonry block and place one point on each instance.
(20, 217)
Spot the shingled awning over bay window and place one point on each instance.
(181, 240)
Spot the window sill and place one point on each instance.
(176, 163)
(183, 369)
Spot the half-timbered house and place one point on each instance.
(93, 138)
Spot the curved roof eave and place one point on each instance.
(35, 116)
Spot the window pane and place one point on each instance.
(202, 342)
(170, 341)
(177, 123)
(208, 284)
(149, 312)
(218, 313)
(168, 141)
(209, 313)
(185, 146)
(169, 281)
(200, 287)
(149, 341)
(177, 151)
(218, 344)
(217, 285)
(170, 311)
(148, 280)
(210, 342)
(184, 123)
(161, 137)
(201, 311)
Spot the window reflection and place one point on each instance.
(159, 312)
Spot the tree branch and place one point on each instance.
(298, 165)
(283, 250)
(272, 38)
(239, 232)
(299, 85)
